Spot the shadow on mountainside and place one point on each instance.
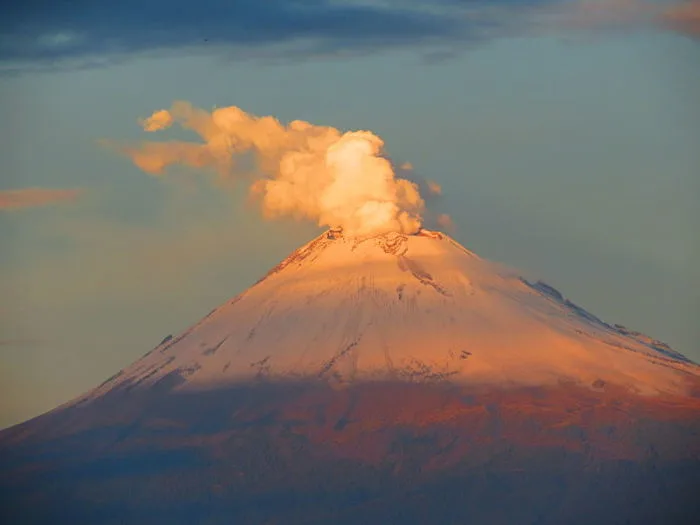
(372, 453)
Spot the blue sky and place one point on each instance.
(570, 154)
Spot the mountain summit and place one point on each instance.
(417, 308)
(391, 378)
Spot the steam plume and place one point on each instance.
(305, 171)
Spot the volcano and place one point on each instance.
(382, 379)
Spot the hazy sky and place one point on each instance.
(566, 138)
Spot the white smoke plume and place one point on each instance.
(305, 171)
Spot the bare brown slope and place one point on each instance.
(308, 453)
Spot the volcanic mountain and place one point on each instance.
(386, 379)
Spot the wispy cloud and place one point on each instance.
(20, 342)
(46, 31)
(604, 14)
(47, 34)
(32, 197)
(684, 17)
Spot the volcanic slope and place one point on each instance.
(388, 379)
(404, 307)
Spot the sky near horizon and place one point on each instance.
(565, 138)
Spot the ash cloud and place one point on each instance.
(301, 170)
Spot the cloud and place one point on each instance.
(604, 14)
(46, 31)
(683, 17)
(159, 120)
(32, 197)
(300, 170)
(446, 222)
(434, 188)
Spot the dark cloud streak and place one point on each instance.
(50, 34)
(45, 31)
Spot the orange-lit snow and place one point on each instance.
(419, 308)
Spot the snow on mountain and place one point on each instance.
(386, 379)
(419, 308)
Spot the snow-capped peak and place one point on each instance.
(403, 307)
